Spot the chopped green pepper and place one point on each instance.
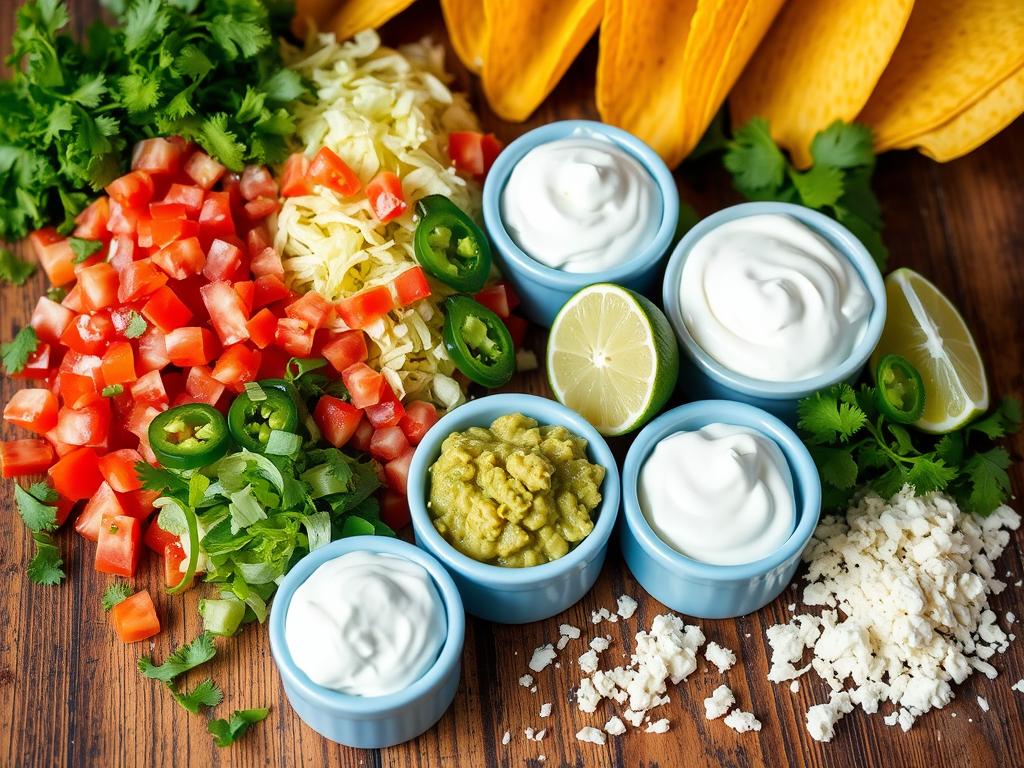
(478, 342)
(251, 421)
(450, 246)
(900, 392)
(189, 436)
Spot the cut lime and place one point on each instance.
(925, 327)
(612, 357)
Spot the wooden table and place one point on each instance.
(70, 695)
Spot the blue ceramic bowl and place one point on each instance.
(516, 595)
(702, 377)
(544, 290)
(375, 721)
(702, 589)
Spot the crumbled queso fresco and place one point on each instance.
(904, 585)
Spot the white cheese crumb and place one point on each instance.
(568, 630)
(741, 722)
(591, 735)
(615, 727)
(533, 689)
(588, 662)
(626, 606)
(822, 718)
(983, 703)
(542, 657)
(526, 681)
(541, 734)
(1018, 686)
(506, 738)
(562, 642)
(541, 758)
(600, 644)
(545, 710)
(794, 686)
(661, 726)
(721, 657)
(528, 733)
(791, 607)
(718, 703)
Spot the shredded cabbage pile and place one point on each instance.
(378, 109)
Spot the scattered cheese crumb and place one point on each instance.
(600, 644)
(542, 657)
(533, 689)
(741, 722)
(603, 614)
(1018, 686)
(794, 686)
(821, 718)
(591, 735)
(506, 738)
(718, 703)
(541, 758)
(791, 607)
(526, 681)
(661, 726)
(588, 662)
(545, 710)
(562, 642)
(633, 718)
(626, 606)
(721, 657)
(615, 727)
(568, 630)
(983, 703)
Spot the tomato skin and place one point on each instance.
(388, 411)
(329, 170)
(77, 475)
(26, 456)
(153, 350)
(362, 309)
(88, 334)
(204, 170)
(181, 258)
(491, 148)
(101, 504)
(156, 538)
(118, 470)
(135, 619)
(139, 280)
(346, 350)
(117, 548)
(201, 387)
(132, 190)
(99, 284)
(83, 365)
(88, 425)
(269, 290)
(165, 310)
(174, 556)
(312, 308)
(118, 366)
(473, 152)
(38, 365)
(386, 196)
(495, 299)
(91, 223)
(124, 219)
(419, 417)
(336, 419)
(158, 156)
(236, 366)
(362, 436)
(388, 443)
(295, 176)
(189, 196)
(222, 260)
(215, 218)
(161, 232)
(149, 389)
(517, 328)
(363, 384)
(228, 313)
(267, 262)
(32, 409)
(246, 291)
(58, 261)
(394, 510)
(396, 472)
(121, 253)
(262, 328)
(257, 182)
(191, 346)
(410, 286)
(77, 390)
(294, 336)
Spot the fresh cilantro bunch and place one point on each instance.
(208, 70)
(854, 447)
(838, 183)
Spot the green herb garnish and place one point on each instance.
(116, 593)
(206, 694)
(17, 352)
(12, 269)
(136, 325)
(46, 566)
(83, 249)
(181, 660)
(227, 732)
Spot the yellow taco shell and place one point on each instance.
(818, 63)
(315, 13)
(356, 15)
(467, 29)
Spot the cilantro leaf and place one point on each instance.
(181, 660)
(83, 249)
(843, 145)
(989, 481)
(160, 480)
(14, 270)
(16, 353)
(113, 390)
(46, 566)
(227, 732)
(36, 515)
(927, 474)
(136, 327)
(831, 415)
(220, 142)
(754, 160)
(835, 465)
(116, 593)
(819, 187)
(206, 694)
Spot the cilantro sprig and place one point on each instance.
(116, 594)
(19, 350)
(854, 446)
(181, 660)
(35, 505)
(227, 732)
(14, 270)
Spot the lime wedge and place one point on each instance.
(925, 327)
(612, 357)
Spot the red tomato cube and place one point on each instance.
(363, 384)
(312, 308)
(32, 409)
(388, 443)
(387, 411)
(191, 346)
(386, 196)
(118, 470)
(228, 312)
(76, 475)
(336, 419)
(204, 170)
(135, 619)
(396, 472)
(201, 387)
(181, 258)
(133, 190)
(394, 510)
(101, 504)
(295, 176)
(365, 307)
(118, 366)
(50, 320)
(165, 310)
(237, 365)
(27, 456)
(411, 286)
(346, 350)
(419, 417)
(294, 336)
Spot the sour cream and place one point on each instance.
(721, 495)
(366, 624)
(768, 298)
(581, 205)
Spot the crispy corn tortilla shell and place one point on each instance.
(665, 67)
(312, 13)
(818, 63)
(976, 124)
(951, 54)
(467, 29)
(536, 41)
(356, 15)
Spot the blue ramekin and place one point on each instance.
(544, 290)
(702, 377)
(374, 721)
(516, 595)
(702, 589)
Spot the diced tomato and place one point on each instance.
(363, 384)
(124, 219)
(139, 280)
(50, 320)
(85, 365)
(91, 224)
(261, 208)
(386, 197)
(411, 285)
(149, 389)
(294, 336)
(165, 310)
(181, 259)
(365, 307)
(156, 538)
(267, 262)
(491, 148)
(118, 366)
(57, 260)
(118, 470)
(191, 346)
(73, 300)
(329, 170)
(88, 334)
(41, 238)
(222, 260)
(135, 619)
(140, 418)
(159, 233)
(27, 456)
(38, 364)
(312, 308)
(158, 156)
(269, 290)
(388, 411)
(257, 182)
(134, 189)
(346, 350)
(295, 176)
(61, 449)
(201, 387)
(465, 148)
(396, 472)
(394, 510)
(262, 328)
(228, 312)
(204, 170)
(362, 436)
(139, 503)
(104, 502)
(336, 419)
(237, 365)
(246, 290)
(121, 253)
(174, 556)
(64, 507)
(215, 218)
(99, 284)
(76, 475)
(77, 390)
(256, 239)
(388, 443)
(419, 417)
(153, 350)
(517, 327)
(88, 425)
(118, 545)
(167, 210)
(32, 409)
(495, 299)
(186, 195)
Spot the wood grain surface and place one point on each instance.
(70, 694)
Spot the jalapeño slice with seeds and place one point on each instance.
(450, 246)
(189, 436)
(251, 421)
(478, 342)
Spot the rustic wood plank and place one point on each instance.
(69, 693)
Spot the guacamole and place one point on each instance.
(516, 494)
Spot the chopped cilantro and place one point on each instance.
(136, 325)
(46, 566)
(181, 660)
(206, 694)
(16, 353)
(116, 593)
(56, 294)
(227, 732)
(14, 270)
(113, 390)
(36, 514)
(83, 249)
(159, 479)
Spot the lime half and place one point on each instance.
(923, 325)
(612, 357)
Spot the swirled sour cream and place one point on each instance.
(581, 204)
(721, 495)
(770, 299)
(366, 624)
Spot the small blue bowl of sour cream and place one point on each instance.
(719, 501)
(577, 202)
(770, 303)
(367, 635)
